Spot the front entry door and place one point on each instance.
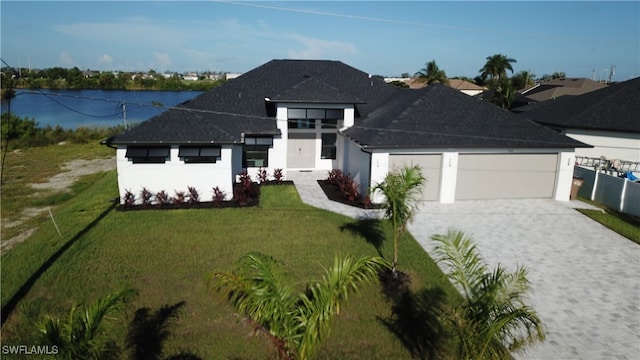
(301, 151)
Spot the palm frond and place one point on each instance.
(466, 267)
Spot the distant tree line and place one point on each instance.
(76, 79)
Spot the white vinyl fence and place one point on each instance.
(615, 193)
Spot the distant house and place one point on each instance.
(608, 119)
(556, 88)
(465, 87)
(320, 115)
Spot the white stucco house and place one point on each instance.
(321, 115)
(608, 119)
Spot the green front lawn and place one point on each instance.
(168, 256)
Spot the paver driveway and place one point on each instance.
(585, 278)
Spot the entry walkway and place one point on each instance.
(585, 278)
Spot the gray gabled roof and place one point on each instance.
(614, 108)
(245, 104)
(386, 115)
(441, 117)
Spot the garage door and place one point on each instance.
(506, 176)
(430, 165)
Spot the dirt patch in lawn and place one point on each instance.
(62, 182)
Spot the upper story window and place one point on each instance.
(199, 154)
(148, 154)
(306, 118)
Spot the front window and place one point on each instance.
(148, 154)
(199, 154)
(256, 151)
(329, 146)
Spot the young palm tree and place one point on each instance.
(496, 67)
(493, 319)
(295, 323)
(402, 189)
(82, 334)
(431, 73)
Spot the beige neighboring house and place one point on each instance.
(463, 86)
(560, 87)
(466, 87)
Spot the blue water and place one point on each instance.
(92, 108)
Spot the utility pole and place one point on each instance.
(124, 113)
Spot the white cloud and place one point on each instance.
(320, 49)
(163, 61)
(105, 60)
(65, 59)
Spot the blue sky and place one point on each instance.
(580, 38)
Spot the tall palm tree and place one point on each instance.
(496, 67)
(402, 189)
(82, 334)
(295, 323)
(431, 73)
(493, 318)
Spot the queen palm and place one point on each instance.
(431, 73)
(401, 189)
(296, 323)
(82, 334)
(492, 319)
(496, 67)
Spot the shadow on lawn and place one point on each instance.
(369, 229)
(149, 330)
(26, 287)
(415, 320)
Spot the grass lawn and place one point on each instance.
(623, 224)
(167, 256)
(36, 165)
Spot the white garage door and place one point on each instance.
(430, 165)
(506, 176)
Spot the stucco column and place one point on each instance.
(448, 177)
(564, 176)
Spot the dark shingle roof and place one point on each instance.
(386, 115)
(240, 104)
(614, 108)
(438, 116)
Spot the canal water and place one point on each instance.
(93, 108)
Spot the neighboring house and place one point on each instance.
(465, 87)
(556, 88)
(608, 119)
(322, 115)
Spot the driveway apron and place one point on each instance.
(585, 278)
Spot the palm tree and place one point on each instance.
(503, 93)
(295, 323)
(496, 67)
(523, 79)
(431, 73)
(493, 319)
(82, 334)
(401, 189)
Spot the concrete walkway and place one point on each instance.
(585, 278)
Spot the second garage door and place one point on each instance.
(506, 176)
(430, 165)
